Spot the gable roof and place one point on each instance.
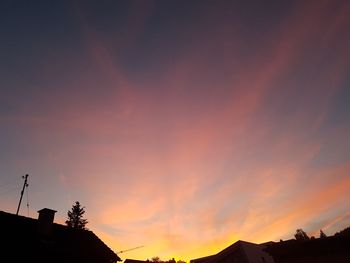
(241, 250)
(64, 244)
(203, 259)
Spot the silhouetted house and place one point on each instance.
(136, 261)
(334, 249)
(239, 252)
(39, 240)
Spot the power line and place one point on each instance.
(27, 190)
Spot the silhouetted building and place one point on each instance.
(39, 240)
(239, 252)
(334, 249)
(136, 261)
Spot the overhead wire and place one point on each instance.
(27, 191)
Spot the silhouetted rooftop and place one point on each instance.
(332, 247)
(22, 241)
(135, 261)
(240, 251)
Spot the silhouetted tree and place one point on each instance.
(156, 259)
(345, 231)
(322, 234)
(301, 235)
(75, 217)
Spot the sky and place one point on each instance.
(180, 126)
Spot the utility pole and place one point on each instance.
(24, 186)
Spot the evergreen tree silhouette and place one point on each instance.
(301, 235)
(75, 217)
(322, 234)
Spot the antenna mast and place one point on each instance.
(24, 186)
(122, 251)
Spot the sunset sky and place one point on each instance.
(181, 126)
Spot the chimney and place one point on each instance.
(45, 221)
